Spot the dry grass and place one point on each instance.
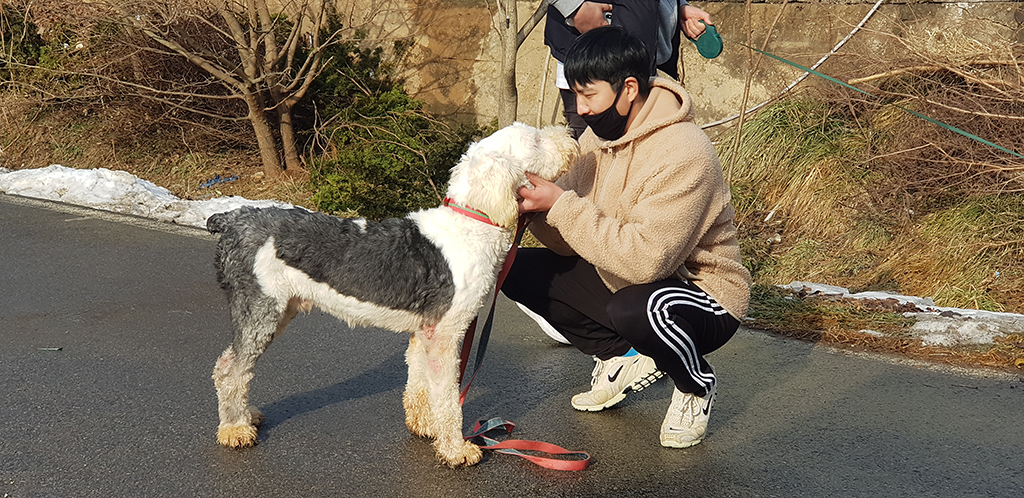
(835, 188)
(869, 326)
(125, 137)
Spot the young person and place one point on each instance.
(656, 22)
(641, 267)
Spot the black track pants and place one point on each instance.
(672, 321)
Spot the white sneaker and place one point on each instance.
(686, 421)
(544, 325)
(613, 378)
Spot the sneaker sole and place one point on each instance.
(596, 408)
(637, 386)
(678, 444)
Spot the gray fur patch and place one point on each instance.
(388, 263)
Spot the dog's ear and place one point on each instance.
(560, 152)
(489, 184)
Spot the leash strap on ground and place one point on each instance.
(579, 460)
(483, 429)
(847, 85)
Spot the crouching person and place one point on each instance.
(642, 266)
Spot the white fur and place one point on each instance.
(486, 179)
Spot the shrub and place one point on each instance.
(20, 42)
(380, 154)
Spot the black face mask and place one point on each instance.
(609, 124)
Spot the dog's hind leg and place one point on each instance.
(444, 415)
(417, 408)
(256, 319)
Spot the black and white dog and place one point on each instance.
(427, 273)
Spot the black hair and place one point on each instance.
(611, 54)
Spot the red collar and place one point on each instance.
(468, 211)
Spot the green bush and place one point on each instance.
(380, 153)
(21, 44)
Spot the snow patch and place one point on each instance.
(120, 192)
(936, 325)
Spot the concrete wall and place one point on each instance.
(454, 63)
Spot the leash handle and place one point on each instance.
(578, 460)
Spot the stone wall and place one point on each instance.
(455, 59)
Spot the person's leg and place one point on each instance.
(576, 123)
(568, 293)
(676, 323)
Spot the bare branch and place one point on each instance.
(531, 23)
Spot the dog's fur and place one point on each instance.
(428, 273)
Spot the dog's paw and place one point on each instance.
(256, 417)
(417, 426)
(236, 436)
(417, 413)
(461, 454)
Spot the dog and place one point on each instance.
(427, 273)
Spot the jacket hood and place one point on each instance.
(667, 103)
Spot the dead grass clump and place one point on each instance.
(966, 255)
(868, 326)
(968, 75)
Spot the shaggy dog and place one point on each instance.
(427, 273)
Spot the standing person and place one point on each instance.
(677, 16)
(653, 21)
(642, 266)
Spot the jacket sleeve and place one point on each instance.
(677, 205)
(566, 7)
(548, 235)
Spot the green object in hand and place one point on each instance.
(709, 44)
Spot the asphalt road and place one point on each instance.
(126, 406)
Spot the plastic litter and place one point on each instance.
(217, 179)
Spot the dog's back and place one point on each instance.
(388, 263)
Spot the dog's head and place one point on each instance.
(490, 173)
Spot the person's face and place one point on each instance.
(595, 97)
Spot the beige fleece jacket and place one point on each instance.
(651, 205)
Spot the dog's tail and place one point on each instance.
(220, 221)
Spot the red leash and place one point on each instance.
(482, 428)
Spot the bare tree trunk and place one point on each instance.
(512, 37)
(264, 136)
(273, 70)
(292, 160)
(508, 30)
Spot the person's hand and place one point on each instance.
(689, 21)
(590, 15)
(541, 197)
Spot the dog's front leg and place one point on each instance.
(444, 418)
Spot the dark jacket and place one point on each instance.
(639, 17)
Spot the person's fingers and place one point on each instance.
(691, 21)
(590, 15)
(694, 29)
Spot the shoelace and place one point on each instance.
(685, 412)
(596, 374)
